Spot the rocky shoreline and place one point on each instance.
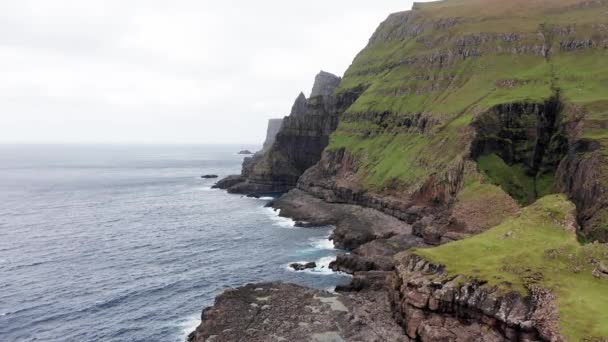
(393, 295)
(287, 312)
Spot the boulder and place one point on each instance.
(303, 266)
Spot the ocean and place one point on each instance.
(128, 243)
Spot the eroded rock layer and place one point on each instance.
(433, 306)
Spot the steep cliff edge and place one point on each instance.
(298, 144)
(475, 101)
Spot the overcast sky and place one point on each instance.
(170, 71)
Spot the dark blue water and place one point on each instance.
(128, 243)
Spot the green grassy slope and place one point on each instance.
(536, 248)
(448, 62)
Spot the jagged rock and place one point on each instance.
(428, 304)
(298, 144)
(209, 176)
(300, 106)
(301, 267)
(228, 182)
(325, 84)
(245, 152)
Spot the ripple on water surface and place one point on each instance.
(129, 244)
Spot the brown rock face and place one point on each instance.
(431, 306)
(580, 175)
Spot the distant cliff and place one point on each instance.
(468, 170)
(302, 137)
(274, 126)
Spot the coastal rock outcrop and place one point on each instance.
(302, 266)
(371, 237)
(299, 142)
(433, 306)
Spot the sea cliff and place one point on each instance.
(297, 145)
(462, 160)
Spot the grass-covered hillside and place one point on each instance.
(538, 247)
(517, 86)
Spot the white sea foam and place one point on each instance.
(331, 289)
(323, 243)
(322, 267)
(266, 198)
(283, 222)
(187, 326)
(206, 188)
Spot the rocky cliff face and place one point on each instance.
(274, 126)
(325, 84)
(432, 306)
(456, 101)
(458, 124)
(298, 145)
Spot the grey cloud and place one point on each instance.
(168, 71)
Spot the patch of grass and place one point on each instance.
(515, 180)
(401, 157)
(545, 184)
(385, 158)
(537, 242)
(511, 178)
(452, 90)
(482, 205)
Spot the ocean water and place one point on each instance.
(128, 243)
